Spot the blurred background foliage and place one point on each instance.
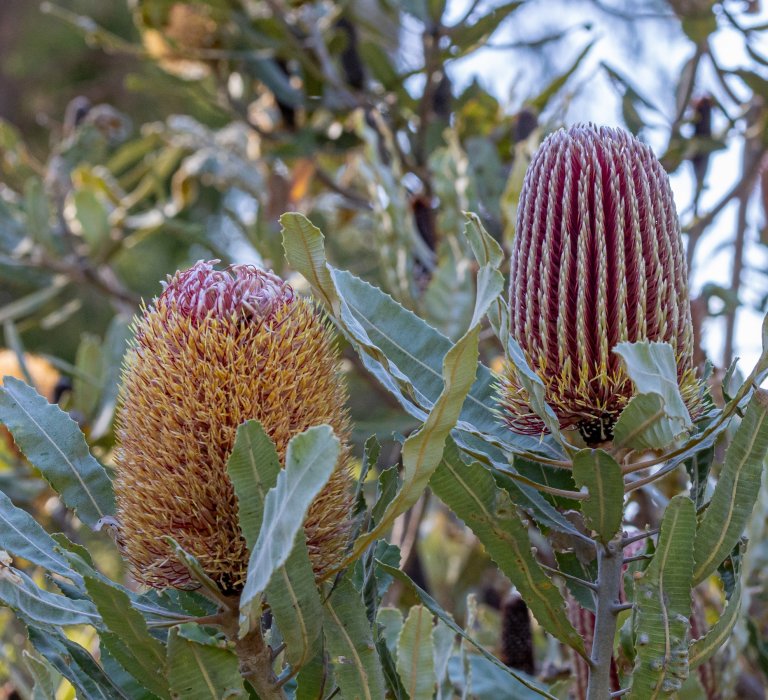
(138, 137)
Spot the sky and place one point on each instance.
(651, 54)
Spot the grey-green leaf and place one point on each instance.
(52, 441)
(128, 638)
(736, 491)
(415, 662)
(470, 491)
(22, 536)
(601, 475)
(295, 603)
(310, 460)
(348, 639)
(19, 592)
(253, 467)
(663, 599)
(202, 672)
(76, 665)
(436, 609)
(653, 369)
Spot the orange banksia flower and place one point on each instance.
(597, 260)
(215, 349)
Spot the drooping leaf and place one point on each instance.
(43, 608)
(601, 475)
(115, 345)
(22, 536)
(348, 639)
(52, 441)
(423, 450)
(514, 678)
(86, 384)
(663, 600)
(415, 663)
(202, 672)
(310, 460)
(737, 489)
(127, 636)
(470, 491)
(75, 664)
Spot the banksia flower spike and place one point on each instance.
(597, 260)
(215, 349)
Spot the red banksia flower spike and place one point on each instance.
(597, 259)
(217, 348)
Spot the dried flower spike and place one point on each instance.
(218, 348)
(597, 260)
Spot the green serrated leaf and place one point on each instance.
(293, 597)
(202, 672)
(127, 636)
(348, 639)
(423, 450)
(310, 460)
(253, 467)
(415, 663)
(42, 608)
(22, 536)
(312, 682)
(76, 665)
(737, 489)
(436, 609)
(401, 350)
(601, 475)
(391, 622)
(470, 491)
(295, 603)
(52, 441)
(663, 600)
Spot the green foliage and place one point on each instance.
(318, 108)
(664, 605)
(601, 475)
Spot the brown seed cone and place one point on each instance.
(217, 349)
(597, 260)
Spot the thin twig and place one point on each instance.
(571, 577)
(641, 536)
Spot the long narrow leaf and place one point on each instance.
(22, 536)
(52, 441)
(470, 491)
(310, 460)
(348, 639)
(436, 609)
(736, 491)
(601, 474)
(663, 600)
(202, 672)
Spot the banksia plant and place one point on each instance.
(598, 259)
(215, 349)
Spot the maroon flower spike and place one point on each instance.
(597, 260)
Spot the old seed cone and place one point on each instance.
(597, 260)
(218, 348)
